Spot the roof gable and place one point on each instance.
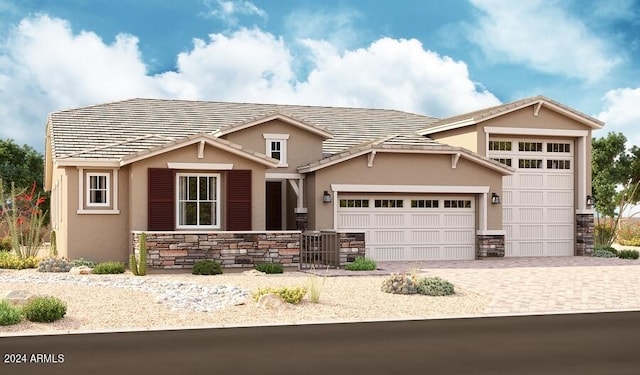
(289, 119)
(476, 117)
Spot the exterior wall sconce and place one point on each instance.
(589, 201)
(495, 198)
(326, 197)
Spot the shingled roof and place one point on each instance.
(115, 130)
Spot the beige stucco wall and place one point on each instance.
(401, 169)
(466, 137)
(303, 147)
(138, 176)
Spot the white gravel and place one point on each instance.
(168, 301)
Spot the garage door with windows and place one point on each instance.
(408, 228)
(538, 200)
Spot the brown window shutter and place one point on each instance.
(161, 193)
(238, 199)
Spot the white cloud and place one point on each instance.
(542, 35)
(620, 113)
(228, 11)
(45, 66)
(336, 27)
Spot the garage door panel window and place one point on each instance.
(505, 161)
(424, 203)
(558, 164)
(530, 146)
(457, 203)
(354, 203)
(388, 203)
(500, 145)
(558, 147)
(530, 163)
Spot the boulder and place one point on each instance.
(18, 297)
(271, 302)
(253, 272)
(81, 270)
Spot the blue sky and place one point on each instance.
(439, 58)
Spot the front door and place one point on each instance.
(274, 205)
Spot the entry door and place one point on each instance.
(274, 205)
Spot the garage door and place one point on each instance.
(411, 228)
(538, 202)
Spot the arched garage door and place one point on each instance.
(409, 228)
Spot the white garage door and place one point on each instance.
(411, 228)
(538, 202)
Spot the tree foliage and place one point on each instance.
(20, 165)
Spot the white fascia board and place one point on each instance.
(201, 166)
(536, 131)
(355, 188)
(283, 176)
(449, 126)
(86, 163)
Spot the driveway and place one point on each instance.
(536, 284)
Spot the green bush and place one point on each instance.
(628, 254)
(5, 244)
(44, 309)
(400, 283)
(83, 262)
(206, 267)
(9, 314)
(602, 253)
(603, 232)
(290, 295)
(269, 267)
(361, 264)
(435, 286)
(109, 268)
(9, 260)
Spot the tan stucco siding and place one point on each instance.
(138, 176)
(402, 169)
(466, 137)
(303, 147)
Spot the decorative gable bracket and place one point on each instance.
(454, 160)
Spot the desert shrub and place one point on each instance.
(628, 234)
(628, 254)
(288, 294)
(5, 244)
(83, 262)
(269, 267)
(109, 268)
(9, 314)
(55, 264)
(602, 253)
(435, 286)
(603, 232)
(361, 264)
(314, 288)
(44, 309)
(206, 267)
(400, 283)
(9, 260)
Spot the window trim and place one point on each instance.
(87, 191)
(282, 138)
(112, 192)
(218, 210)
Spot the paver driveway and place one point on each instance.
(537, 284)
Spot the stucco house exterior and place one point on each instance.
(239, 181)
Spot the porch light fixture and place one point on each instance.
(326, 197)
(495, 198)
(589, 201)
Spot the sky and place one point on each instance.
(438, 58)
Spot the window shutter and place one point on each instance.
(238, 199)
(161, 193)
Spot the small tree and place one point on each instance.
(23, 216)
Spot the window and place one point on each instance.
(388, 203)
(558, 164)
(424, 203)
(558, 147)
(530, 163)
(277, 147)
(457, 203)
(499, 146)
(97, 189)
(197, 201)
(356, 203)
(505, 161)
(530, 146)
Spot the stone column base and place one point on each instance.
(584, 234)
(489, 246)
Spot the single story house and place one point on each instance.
(239, 181)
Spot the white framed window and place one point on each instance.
(98, 189)
(197, 201)
(276, 147)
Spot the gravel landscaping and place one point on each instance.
(160, 301)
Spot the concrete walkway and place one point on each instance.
(534, 285)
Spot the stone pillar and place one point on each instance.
(490, 246)
(302, 219)
(584, 234)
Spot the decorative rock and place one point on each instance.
(81, 270)
(18, 297)
(253, 272)
(271, 302)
